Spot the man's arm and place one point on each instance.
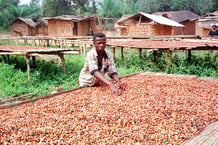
(102, 78)
(120, 85)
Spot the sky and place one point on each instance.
(24, 2)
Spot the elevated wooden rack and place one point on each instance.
(33, 52)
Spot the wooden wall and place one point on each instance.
(146, 30)
(66, 28)
(189, 28)
(203, 32)
(20, 28)
(177, 30)
(42, 29)
(83, 28)
(60, 28)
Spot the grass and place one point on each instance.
(48, 76)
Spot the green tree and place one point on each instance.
(11, 10)
(81, 6)
(53, 8)
(110, 8)
(93, 8)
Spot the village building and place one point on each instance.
(143, 24)
(23, 27)
(71, 25)
(205, 23)
(42, 27)
(185, 17)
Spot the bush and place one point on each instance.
(48, 76)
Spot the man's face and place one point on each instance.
(100, 44)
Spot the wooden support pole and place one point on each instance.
(61, 43)
(28, 67)
(43, 42)
(39, 42)
(114, 51)
(16, 42)
(34, 61)
(155, 55)
(55, 42)
(3, 59)
(189, 55)
(32, 42)
(63, 62)
(169, 55)
(48, 43)
(8, 58)
(122, 55)
(25, 41)
(84, 50)
(15, 59)
(140, 52)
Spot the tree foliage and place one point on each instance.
(109, 8)
(53, 8)
(10, 9)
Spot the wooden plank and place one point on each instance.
(169, 55)
(12, 53)
(16, 98)
(70, 52)
(28, 67)
(122, 55)
(63, 62)
(207, 137)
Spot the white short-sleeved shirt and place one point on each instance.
(91, 65)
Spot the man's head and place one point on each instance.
(99, 41)
(214, 26)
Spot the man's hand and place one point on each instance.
(121, 86)
(114, 89)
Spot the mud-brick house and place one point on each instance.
(71, 25)
(185, 17)
(143, 24)
(42, 27)
(205, 23)
(23, 27)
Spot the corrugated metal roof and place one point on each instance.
(29, 22)
(124, 17)
(74, 18)
(179, 16)
(158, 19)
(162, 20)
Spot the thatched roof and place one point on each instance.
(158, 19)
(29, 22)
(179, 16)
(42, 22)
(74, 18)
